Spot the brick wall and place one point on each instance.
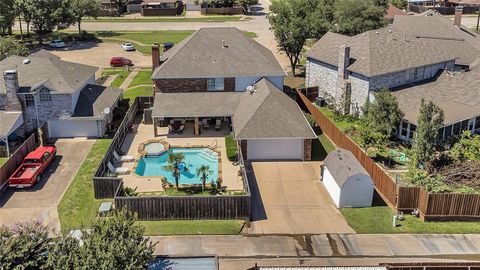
(189, 85)
(60, 105)
(307, 150)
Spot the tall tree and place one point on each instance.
(174, 161)
(401, 4)
(430, 119)
(246, 4)
(294, 21)
(383, 114)
(46, 15)
(24, 11)
(7, 16)
(9, 46)
(121, 4)
(204, 171)
(353, 17)
(84, 8)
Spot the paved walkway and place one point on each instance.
(110, 79)
(130, 78)
(288, 198)
(40, 202)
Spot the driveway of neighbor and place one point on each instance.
(40, 202)
(288, 198)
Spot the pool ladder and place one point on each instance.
(209, 155)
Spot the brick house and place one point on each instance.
(41, 88)
(220, 73)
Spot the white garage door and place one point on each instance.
(72, 128)
(286, 149)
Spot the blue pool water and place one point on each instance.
(194, 158)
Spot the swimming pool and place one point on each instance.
(194, 158)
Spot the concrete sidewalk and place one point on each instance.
(354, 245)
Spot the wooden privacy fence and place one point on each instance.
(222, 11)
(384, 184)
(449, 206)
(408, 198)
(14, 161)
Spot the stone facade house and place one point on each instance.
(220, 74)
(45, 89)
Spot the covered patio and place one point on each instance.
(194, 113)
(9, 123)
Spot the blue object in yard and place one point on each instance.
(167, 46)
(104, 208)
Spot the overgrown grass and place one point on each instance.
(342, 124)
(192, 227)
(142, 78)
(78, 207)
(132, 93)
(122, 75)
(231, 145)
(321, 147)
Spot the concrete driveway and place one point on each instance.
(288, 198)
(40, 202)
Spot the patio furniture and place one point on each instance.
(117, 170)
(218, 124)
(205, 124)
(119, 158)
(104, 208)
(180, 129)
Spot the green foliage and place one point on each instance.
(370, 138)
(64, 254)
(9, 46)
(232, 150)
(383, 115)
(24, 246)
(130, 192)
(80, 9)
(353, 17)
(174, 160)
(467, 148)
(7, 16)
(246, 3)
(429, 121)
(431, 183)
(204, 171)
(401, 4)
(311, 121)
(46, 15)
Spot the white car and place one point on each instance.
(128, 47)
(56, 43)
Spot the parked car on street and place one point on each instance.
(128, 47)
(32, 167)
(56, 43)
(120, 62)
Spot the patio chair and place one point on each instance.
(117, 170)
(119, 158)
(171, 130)
(180, 129)
(218, 124)
(205, 124)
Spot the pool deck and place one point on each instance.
(142, 133)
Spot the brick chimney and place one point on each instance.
(155, 55)
(344, 91)
(12, 103)
(457, 21)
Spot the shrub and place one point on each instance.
(232, 150)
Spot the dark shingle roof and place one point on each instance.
(202, 55)
(342, 164)
(379, 52)
(93, 99)
(7, 122)
(46, 68)
(453, 92)
(439, 31)
(267, 113)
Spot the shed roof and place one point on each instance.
(9, 122)
(342, 164)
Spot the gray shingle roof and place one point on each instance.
(93, 99)
(439, 31)
(7, 122)
(379, 52)
(202, 55)
(44, 67)
(267, 113)
(455, 93)
(342, 164)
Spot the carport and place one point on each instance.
(9, 123)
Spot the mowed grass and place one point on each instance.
(78, 207)
(142, 78)
(3, 161)
(213, 18)
(192, 227)
(378, 219)
(132, 93)
(121, 73)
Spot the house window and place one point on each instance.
(448, 131)
(215, 84)
(440, 134)
(413, 128)
(464, 125)
(45, 95)
(404, 131)
(456, 128)
(29, 100)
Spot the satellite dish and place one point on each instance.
(106, 110)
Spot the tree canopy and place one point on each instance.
(9, 46)
(7, 16)
(353, 17)
(467, 148)
(430, 119)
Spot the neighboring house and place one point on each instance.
(161, 7)
(45, 89)
(393, 11)
(223, 74)
(345, 179)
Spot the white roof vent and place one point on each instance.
(26, 61)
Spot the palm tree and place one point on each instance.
(174, 159)
(204, 172)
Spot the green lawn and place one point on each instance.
(122, 75)
(231, 145)
(321, 147)
(3, 161)
(378, 219)
(341, 124)
(212, 18)
(142, 78)
(196, 227)
(138, 91)
(78, 207)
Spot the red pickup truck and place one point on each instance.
(34, 164)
